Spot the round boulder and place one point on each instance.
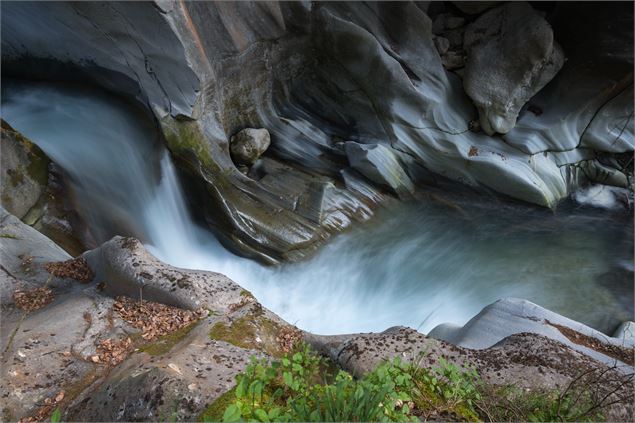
(247, 145)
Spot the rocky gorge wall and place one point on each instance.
(364, 101)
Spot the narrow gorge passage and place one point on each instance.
(415, 264)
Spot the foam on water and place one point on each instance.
(416, 264)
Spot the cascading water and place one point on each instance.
(415, 264)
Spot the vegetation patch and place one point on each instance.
(214, 412)
(9, 236)
(165, 343)
(299, 387)
(257, 332)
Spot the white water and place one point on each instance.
(417, 265)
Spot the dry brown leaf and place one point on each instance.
(32, 299)
(76, 268)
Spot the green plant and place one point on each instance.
(457, 384)
(56, 417)
(297, 388)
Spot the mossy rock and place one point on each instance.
(24, 172)
(214, 411)
(165, 343)
(186, 141)
(252, 331)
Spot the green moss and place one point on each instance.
(185, 140)
(214, 412)
(246, 294)
(73, 390)
(244, 331)
(165, 343)
(10, 236)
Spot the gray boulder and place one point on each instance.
(248, 145)
(24, 170)
(511, 54)
(511, 316)
(126, 268)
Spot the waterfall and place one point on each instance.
(417, 264)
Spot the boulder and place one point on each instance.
(511, 55)
(33, 189)
(126, 268)
(24, 172)
(248, 145)
(510, 316)
(23, 254)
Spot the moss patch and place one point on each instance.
(214, 412)
(10, 236)
(165, 343)
(246, 294)
(252, 331)
(185, 140)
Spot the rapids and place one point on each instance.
(417, 264)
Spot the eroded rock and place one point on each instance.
(380, 165)
(512, 54)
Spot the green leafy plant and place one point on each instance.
(56, 416)
(301, 387)
(458, 385)
(297, 388)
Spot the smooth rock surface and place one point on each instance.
(380, 165)
(511, 56)
(511, 316)
(316, 75)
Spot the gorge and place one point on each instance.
(450, 167)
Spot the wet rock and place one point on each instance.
(612, 128)
(512, 54)
(248, 145)
(303, 73)
(24, 172)
(380, 165)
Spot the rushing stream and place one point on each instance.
(417, 264)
